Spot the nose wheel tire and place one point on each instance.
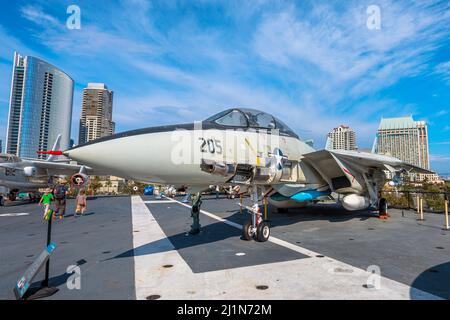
(263, 232)
(247, 233)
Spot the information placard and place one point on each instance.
(23, 284)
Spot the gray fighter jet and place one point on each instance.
(249, 148)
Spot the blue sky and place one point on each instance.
(314, 64)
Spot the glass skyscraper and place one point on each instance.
(40, 107)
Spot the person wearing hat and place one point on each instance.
(60, 192)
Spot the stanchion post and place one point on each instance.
(49, 240)
(446, 213)
(418, 204)
(265, 208)
(421, 208)
(407, 199)
(240, 199)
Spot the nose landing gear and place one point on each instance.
(259, 231)
(256, 228)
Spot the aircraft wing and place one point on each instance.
(62, 168)
(349, 171)
(58, 167)
(51, 168)
(377, 161)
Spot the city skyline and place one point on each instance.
(234, 58)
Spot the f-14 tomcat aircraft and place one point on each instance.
(249, 148)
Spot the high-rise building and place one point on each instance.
(96, 114)
(405, 139)
(40, 107)
(342, 138)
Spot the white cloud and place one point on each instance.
(442, 113)
(343, 52)
(38, 16)
(9, 44)
(443, 69)
(439, 158)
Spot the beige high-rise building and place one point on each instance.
(407, 140)
(96, 115)
(342, 138)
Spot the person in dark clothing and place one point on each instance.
(60, 192)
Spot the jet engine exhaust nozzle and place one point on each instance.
(79, 180)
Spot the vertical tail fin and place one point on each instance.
(55, 148)
(329, 144)
(375, 144)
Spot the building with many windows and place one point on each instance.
(342, 138)
(40, 107)
(407, 140)
(111, 184)
(96, 114)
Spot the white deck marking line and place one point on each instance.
(271, 239)
(332, 263)
(152, 250)
(14, 214)
(159, 201)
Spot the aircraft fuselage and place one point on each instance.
(181, 154)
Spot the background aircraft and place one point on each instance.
(28, 175)
(249, 148)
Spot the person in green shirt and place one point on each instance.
(46, 200)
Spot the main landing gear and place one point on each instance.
(256, 228)
(383, 209)
(12, 196)
(195, 213)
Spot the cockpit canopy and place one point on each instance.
(250, 118)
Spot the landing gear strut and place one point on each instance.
(12, 196)
(257, 228)
(383, 209)
(195, 213)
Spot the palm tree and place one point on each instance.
(95, 184)
(108, 184)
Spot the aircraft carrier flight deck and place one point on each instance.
(138, 247)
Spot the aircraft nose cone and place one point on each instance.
(112, 156)
(84, 155)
